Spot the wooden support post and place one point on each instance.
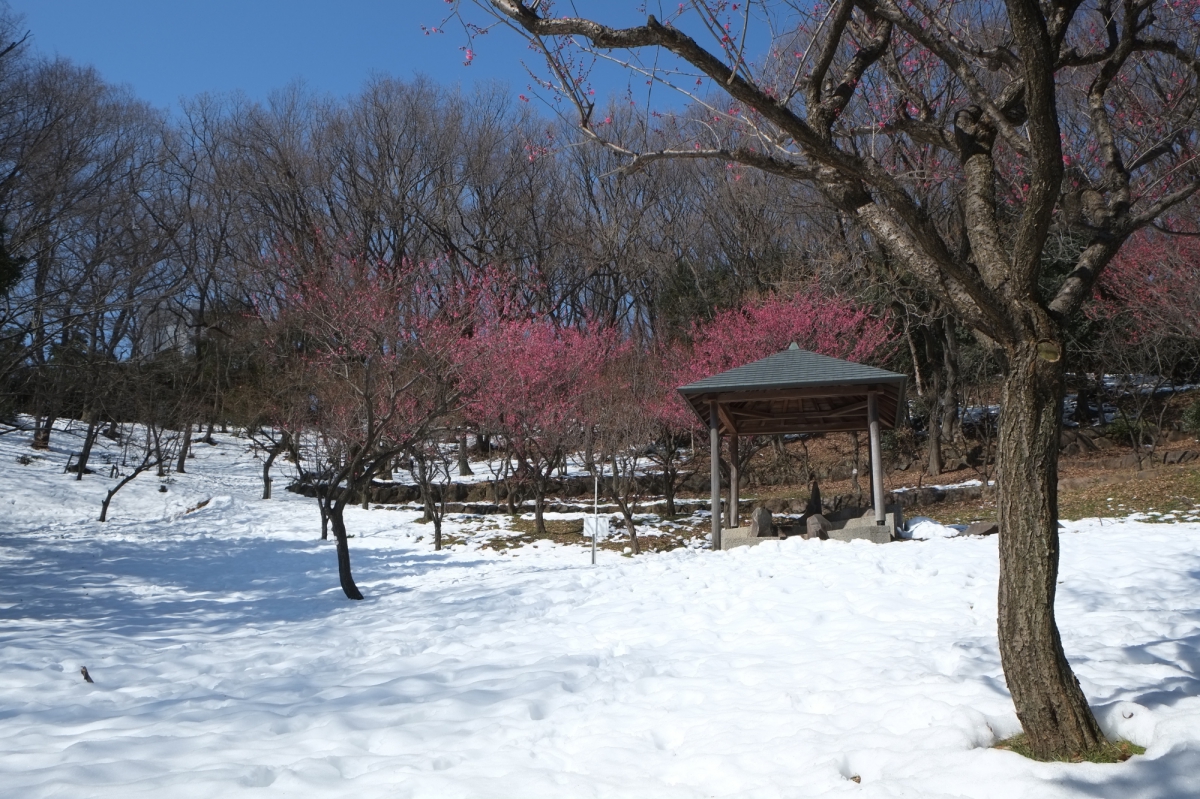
(876, 457)
(714, 446)
(731, 514)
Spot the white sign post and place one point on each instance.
(592, 525)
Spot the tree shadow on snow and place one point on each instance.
(193, 581)
(1185, 657)
(1171, 776)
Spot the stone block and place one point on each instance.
(760, 523)
(982, 528)
(818, 527)
(861, 525)
(732, 537)
(868, 531)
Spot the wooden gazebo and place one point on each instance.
(794, 391)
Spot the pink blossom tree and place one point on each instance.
(825, 325)
(1153, 288)
(530, 382)
(1149, 313)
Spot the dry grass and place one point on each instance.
(1115, 492)
(1109, 752)
(1164, 490)
(570, 531)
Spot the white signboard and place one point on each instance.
(595, 526)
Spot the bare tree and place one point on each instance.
(1026, 115)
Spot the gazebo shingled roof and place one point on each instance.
(794, 391)
(797, 391)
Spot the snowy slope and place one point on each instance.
(227, 663)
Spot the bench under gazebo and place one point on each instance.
(795, 391)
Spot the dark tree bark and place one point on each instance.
(324, 518)
(42, 425)
(950, 423)
(185, 446)
(345, 575)
(153, 455)
(934, 468)
(89, 441)
(1049, 701)
(432, 475)
(278, 448)
(621, 489)
(464, 465)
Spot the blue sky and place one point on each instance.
(165, 49)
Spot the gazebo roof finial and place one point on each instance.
(793, 346)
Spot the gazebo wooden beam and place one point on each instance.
(852, 408)
(795, 393)
(767, 413)
(785, 429)
(833, 417)
(726, 419)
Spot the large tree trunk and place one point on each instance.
(343, 551)
(1049, 702)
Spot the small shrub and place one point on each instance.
(1191, 418)
(24, 459)
(900, 441)
(1125, 430)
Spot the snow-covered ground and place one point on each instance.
(227, 663)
